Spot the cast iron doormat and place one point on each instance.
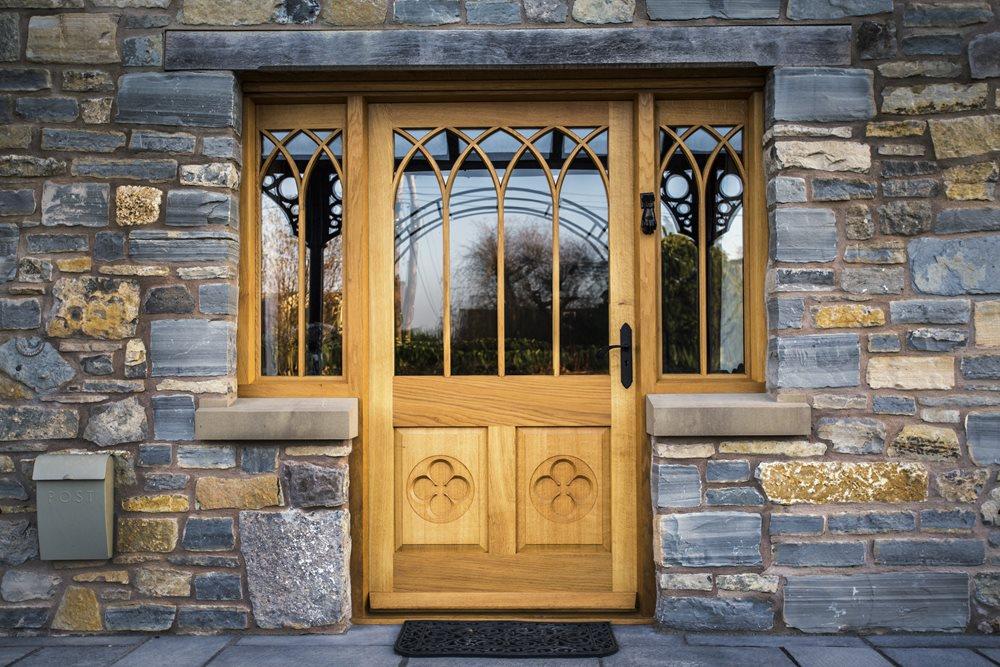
(505, 639)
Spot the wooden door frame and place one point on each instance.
(641, 89)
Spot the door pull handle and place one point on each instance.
(624, 345)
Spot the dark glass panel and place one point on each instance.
(679, 306)
(473, 212)
(419, 298)
(724, 220)
(528, 209)
(583, 263)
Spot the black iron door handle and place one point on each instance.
(625, 346)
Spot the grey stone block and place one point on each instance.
(797, 280)
(310, 485)
(932, 44)
(947, 520)
(727, 471)
(795, 524)
(908, 168)
(915, 187)
(47, 109)
(192, 347)
(904, 601)
(804, 235)
(20, 314)
(75, 204)
(852, 435)
(29, 422)
(221, 147)
(960, 220)
(24, 585)
(192, 207)
(938, 14)
(884, 343)
(109, 246)
(955, 266)
(193, 99)
(785, 313)
(206, 456)
(936, 340)
(89, 141)
(297, 11)
(218, 298)
(836, 9)
(187, 246)
(984, 56)
(142, 51)
(208, 534)
(162, 142)
(168, 299)
(204, 560)
(31, 361)
(764, 46)
(9, 235)
(842, 189)
(131, 168)
(166, 481)
(546, 11)
(683, 10)
(10, 37)
(18, 542)
(930, 311)
(870, 523)
(820, 360)
(676, 485)
(426, 12)
(173, 416)
(876, 40)
(710, 539)
(493, 12)
(16, 618)
(786, 190)
(117, 423)
(257, 459)
(873, 280)
(930, 552)
(24, 79)
(155, 455)
(56, 243)
(905, 218)
(297, 567)
(139, 617)
(17, 202)
(821, 94)
(712, 614)
(983, 437)
(819, 554)
(744, 496)
(218, 586)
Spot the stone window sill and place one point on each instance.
(279, 419)
(705, 415)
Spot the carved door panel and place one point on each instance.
(503, 445)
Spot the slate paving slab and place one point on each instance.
(302, 655)
(696, 656)
(774, 640)
(495, 662)
(9, 654)
(175, 652)
(828, 656)
(74, 656)
(936, 657)
(359, 635)
(935, 641)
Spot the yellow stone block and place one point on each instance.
(157, 535)
(931, 443)
(896, 128)
(774, 448)
(164, 502)
(162, 582)
(971, 182)
(237, 492)
(847, 315)
(137, 205)
(78, 611)
(816, 483)
(95, 307)
(911, 372)
(104, 576)
(988, 323)
(74, 264)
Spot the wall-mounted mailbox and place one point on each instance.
(75, 498)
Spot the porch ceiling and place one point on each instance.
(284, 50)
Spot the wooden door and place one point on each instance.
(502, 441)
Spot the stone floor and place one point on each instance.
(372, 645)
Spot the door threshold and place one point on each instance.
(373, 618)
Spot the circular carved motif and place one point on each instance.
(440, 489)
(563, 489)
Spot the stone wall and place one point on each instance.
(118, 253)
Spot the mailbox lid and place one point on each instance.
(58, 467)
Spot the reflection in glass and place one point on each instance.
(527, 220)
(472, 245)
(419, 266)
(724, 188)
(583, 263)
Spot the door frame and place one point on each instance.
(642, 88)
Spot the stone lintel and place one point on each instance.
(277, 419)
(702, 415)
(284, 50)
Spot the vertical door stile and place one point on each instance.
(502, 493)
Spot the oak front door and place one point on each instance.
(502, 452)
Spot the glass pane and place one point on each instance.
(279, 279)
(473, 249)
(583, 264)
(724, 188)
(679, 306)
(527, 220)
(324, 267)
(419, 298)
